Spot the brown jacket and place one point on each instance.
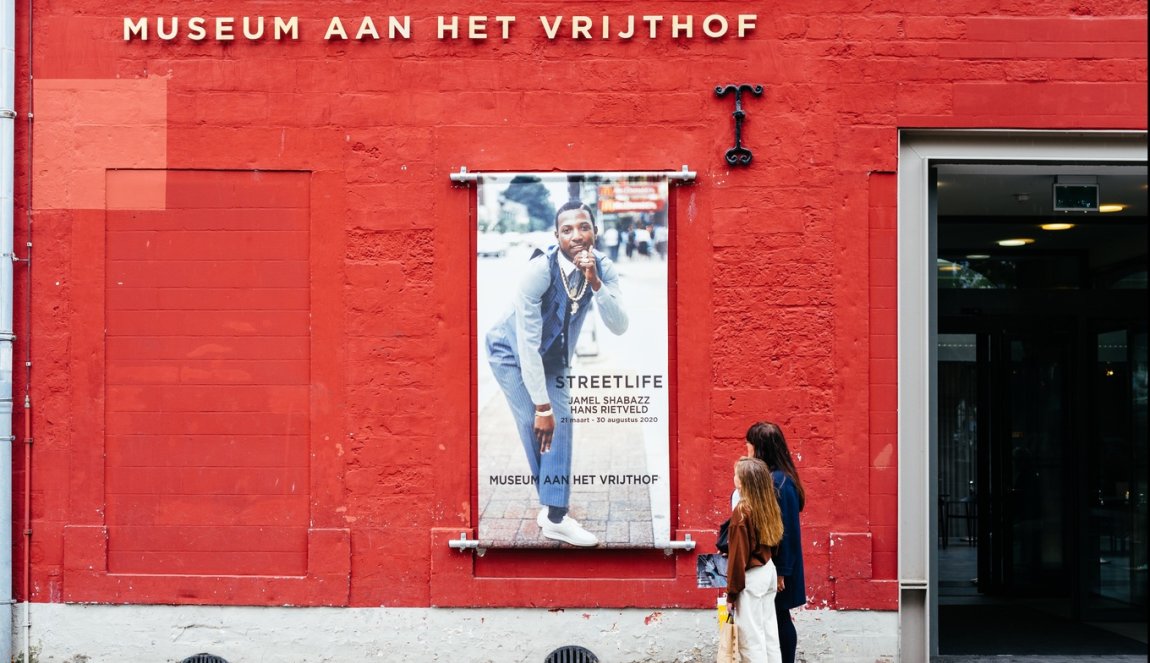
(745, 553)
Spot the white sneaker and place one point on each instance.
(569, 531)
(542, 519)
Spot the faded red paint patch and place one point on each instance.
(94, 126)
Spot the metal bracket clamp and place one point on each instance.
(465, 176)
(463, 544)
(8, 113)
(684, 175)
(671, 546)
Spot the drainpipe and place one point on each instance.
(7, 156)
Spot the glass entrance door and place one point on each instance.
(1041, 441)
(1004, 495)
(1114, 565)
(1042, 486)
(1026, 461)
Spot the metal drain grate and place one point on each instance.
(571, 654)
(204, 658)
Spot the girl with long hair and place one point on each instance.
(766, 442)
(756, 527)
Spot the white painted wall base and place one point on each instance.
(153, 634)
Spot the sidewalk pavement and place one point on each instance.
(1078, 658)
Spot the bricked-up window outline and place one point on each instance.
(196, 351)
(206, 375)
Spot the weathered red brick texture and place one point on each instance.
(251, 340)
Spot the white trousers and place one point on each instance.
(755, 617)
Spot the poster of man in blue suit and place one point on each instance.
(572, 365)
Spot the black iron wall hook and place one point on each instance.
(739, 155)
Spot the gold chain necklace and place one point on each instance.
(575, 297)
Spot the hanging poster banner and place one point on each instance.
(572, 335)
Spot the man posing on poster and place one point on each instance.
(534, 343)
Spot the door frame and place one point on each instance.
(917, 330)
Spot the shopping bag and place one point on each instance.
(728, 642)
(721, 608)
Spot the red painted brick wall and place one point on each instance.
(785, 292)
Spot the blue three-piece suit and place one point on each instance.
(534, 343)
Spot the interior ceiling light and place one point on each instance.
(1111, 207)
(1056, 226)
(977, 256)
(1019, 241)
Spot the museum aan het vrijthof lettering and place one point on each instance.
(348, 331)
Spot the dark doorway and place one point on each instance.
(1042, 405)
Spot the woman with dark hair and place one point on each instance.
(765, 441)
